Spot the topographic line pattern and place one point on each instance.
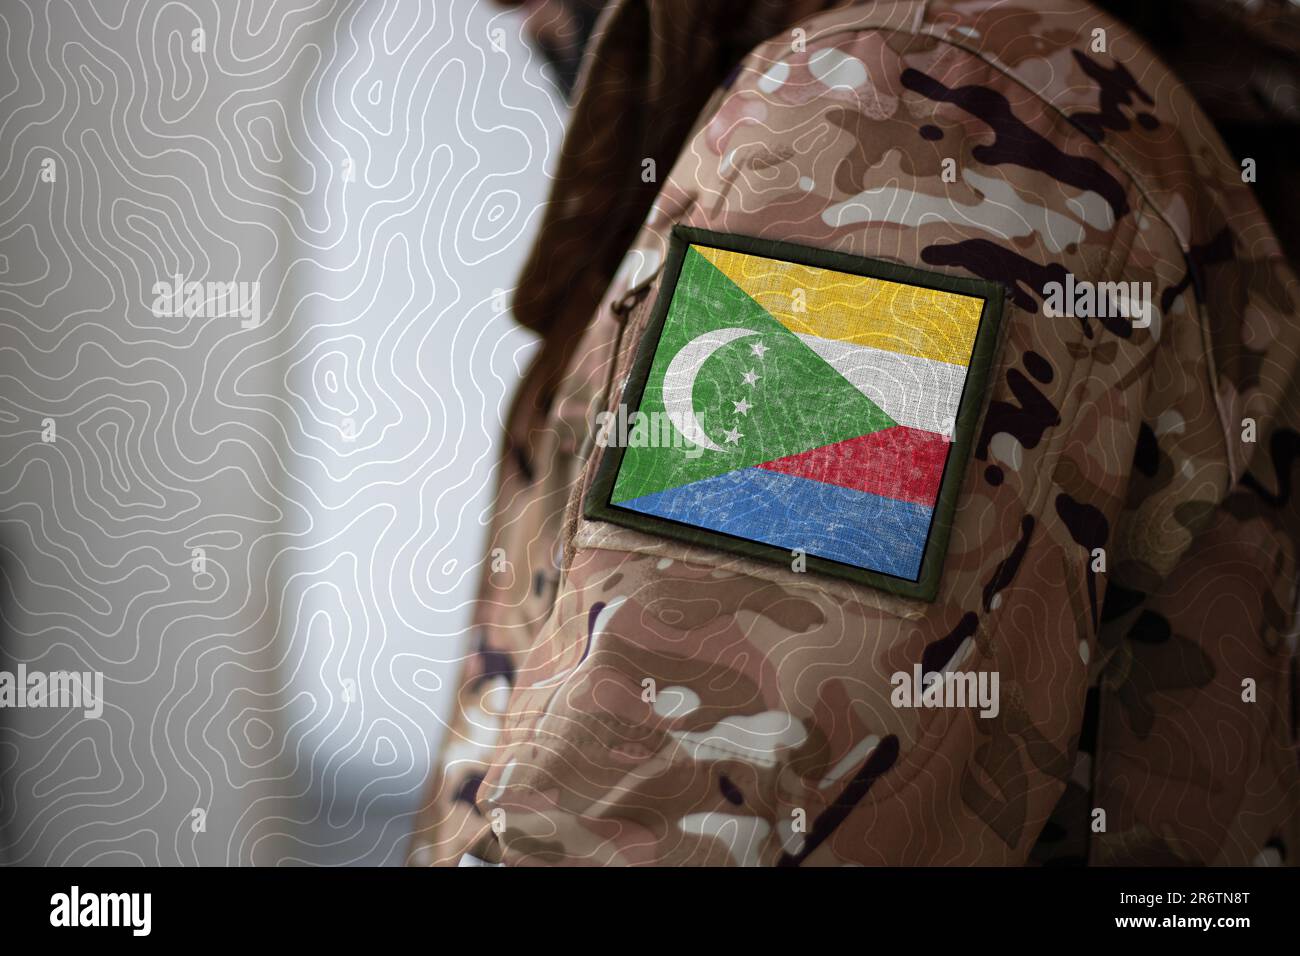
(256, 505)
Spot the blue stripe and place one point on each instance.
(827, 521)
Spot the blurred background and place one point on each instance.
(264, 527)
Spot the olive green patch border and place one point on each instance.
(926, 586)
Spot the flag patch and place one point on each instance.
(820, 405)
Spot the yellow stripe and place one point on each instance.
(912, 320)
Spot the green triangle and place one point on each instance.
(797, 401)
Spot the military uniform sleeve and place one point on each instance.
(673, 702)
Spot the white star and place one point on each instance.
(758, 348)
(750, 377)
(732, 436)
(742, 407)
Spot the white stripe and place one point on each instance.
(916, 392)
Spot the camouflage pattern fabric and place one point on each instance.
(630, 700)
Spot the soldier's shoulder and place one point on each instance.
(1040, 87)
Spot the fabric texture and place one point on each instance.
(1123, 553)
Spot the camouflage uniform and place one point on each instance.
(771, 738)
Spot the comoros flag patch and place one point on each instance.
(790, 403)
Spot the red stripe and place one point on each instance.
(900, 462)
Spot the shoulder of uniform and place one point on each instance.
(1083, 81)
